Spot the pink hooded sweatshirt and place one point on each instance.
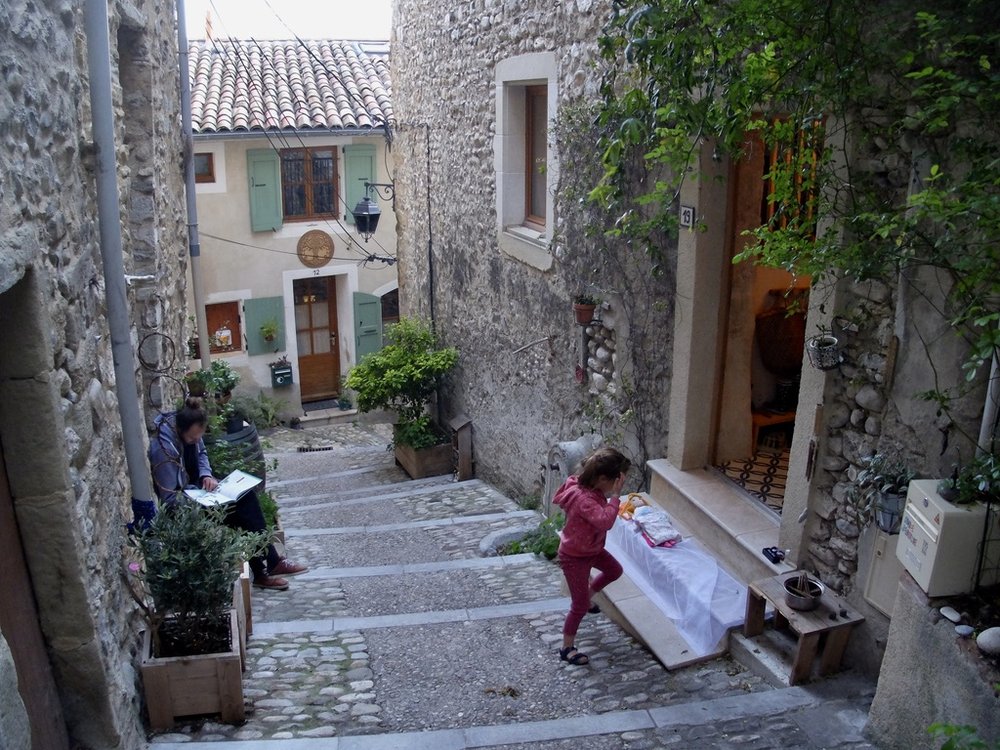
(589, 515)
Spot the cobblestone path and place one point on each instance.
(404, 635)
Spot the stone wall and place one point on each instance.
(59, 424)
(519, 344)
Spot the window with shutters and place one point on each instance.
(309, 183)
(224, 331)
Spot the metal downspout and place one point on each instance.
(194, 244)
(109, 220)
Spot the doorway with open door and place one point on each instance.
(317, 339)
(763, 342)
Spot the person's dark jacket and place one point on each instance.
(166, 458)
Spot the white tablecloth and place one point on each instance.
(684, 582)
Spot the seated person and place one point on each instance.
(178, 459)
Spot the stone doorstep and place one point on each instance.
(323, 417)
(703, 505)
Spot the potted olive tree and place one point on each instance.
(186, 564)
(879, 491)
(402, 377)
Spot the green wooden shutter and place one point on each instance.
(367, 324)
(264, 172)
(255, 312)
(359, 167)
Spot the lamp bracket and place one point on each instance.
(384, 190)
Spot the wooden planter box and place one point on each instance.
(426, 462)
(189, 685)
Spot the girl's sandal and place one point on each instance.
(571, 655)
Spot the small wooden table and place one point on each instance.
(826, 619)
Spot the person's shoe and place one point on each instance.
(273, 583)
(287, 568)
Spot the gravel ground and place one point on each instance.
(418, 592)
(361, 550)
(498, 671)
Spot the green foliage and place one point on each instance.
(888, 86)
(189, 562)
(542, 541)
(269, 328)
(269, 507)
(960, 737)
(263, 411)
(224, 378)
(977, 481)
(217, 380)
(881, 474)
(402, 376)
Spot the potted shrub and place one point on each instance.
(224, 379)
(198, 382)
(269, 329)
(879, 491)
(584, 306)
(977, 481)
(188, 562)
(402, 377)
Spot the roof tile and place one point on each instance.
(305, 85)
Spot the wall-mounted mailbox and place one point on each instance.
(281, 376)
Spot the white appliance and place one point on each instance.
(884, 571)
(939, 541)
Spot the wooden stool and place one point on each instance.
(809, 626)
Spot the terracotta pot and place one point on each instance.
(584, 313)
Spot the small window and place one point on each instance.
(224, 331)
(309, 183)
(204, 167)
(535, 151)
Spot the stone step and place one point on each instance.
(708, 508)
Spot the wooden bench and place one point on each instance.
(832, 618)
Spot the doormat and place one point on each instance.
(763, 477)
(330, 403)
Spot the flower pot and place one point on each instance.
(189, 685)
(823, 352)
(584, 313)
(889, 512)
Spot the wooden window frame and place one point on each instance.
(532, 94)
(308, 182)
(205, 177)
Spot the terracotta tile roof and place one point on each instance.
(243, 85)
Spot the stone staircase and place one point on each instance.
(404, 635)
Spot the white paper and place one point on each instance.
(229, 490)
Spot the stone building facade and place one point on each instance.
(65, 494)
(528, 374)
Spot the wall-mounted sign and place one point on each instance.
(315, 248)
(687, 217)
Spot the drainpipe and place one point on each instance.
(109, 221)
(194, 245)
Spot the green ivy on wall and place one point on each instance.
(907, 99)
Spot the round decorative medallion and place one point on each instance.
(315, 248)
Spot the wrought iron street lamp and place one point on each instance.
(366, 213)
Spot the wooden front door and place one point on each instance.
(19, 623)
(317, 336)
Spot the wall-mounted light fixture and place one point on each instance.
(367, 212)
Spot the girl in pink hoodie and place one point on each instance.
(589, 515)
